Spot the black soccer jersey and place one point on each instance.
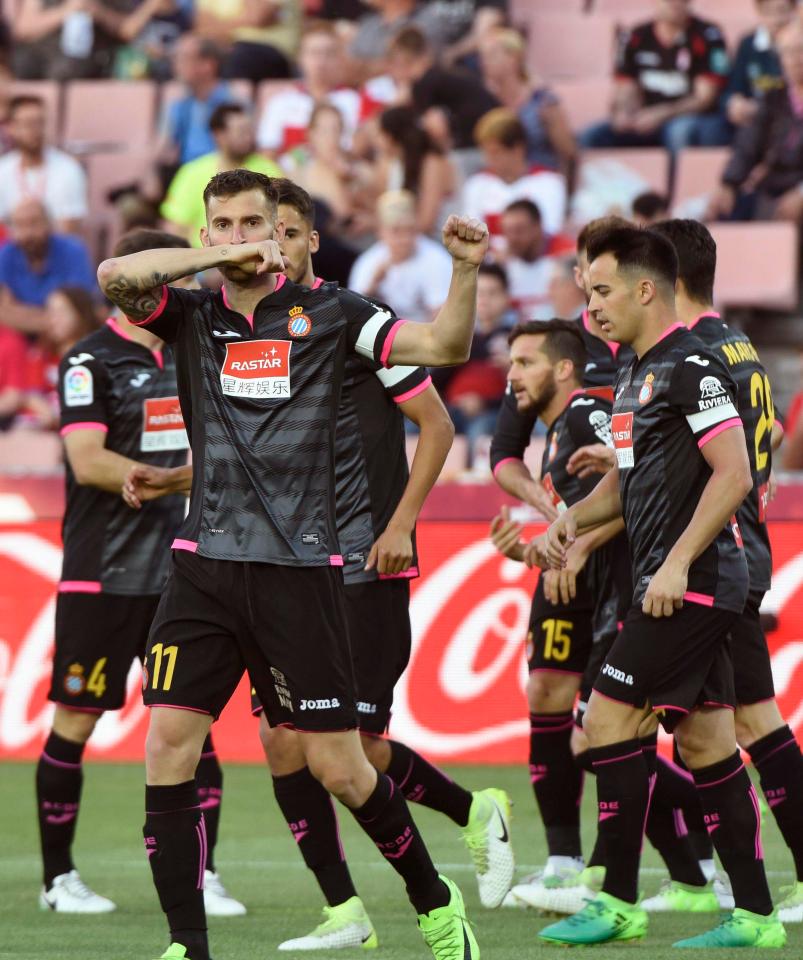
(605, 357)
(668, 405)
(111, 383)
(264, 392)
(754, 402)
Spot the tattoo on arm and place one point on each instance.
(137, 298)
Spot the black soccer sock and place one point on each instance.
(667, 832)
(623, 794)
(557, 781)
(597, 858)
(209, 780)
(649, 747)
(59, 777)
(386, 819)
(421, 782)
(779, 762)
(175, 841)
(699, 836)
(311, 817)
(732, 815)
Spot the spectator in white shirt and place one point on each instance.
(508, 176)
(33, 170)
(529, 260)
(286, 116)
(404, 269)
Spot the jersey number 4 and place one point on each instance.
(761, 397)
(557, 642)
(160, 653)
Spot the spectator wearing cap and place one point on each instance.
(404, 268)
(528, 256)
(756, 68)
(233, 132)
(32, 169)
(649, 207)
(550, 141)
(763, 178)
(450, 102)
(670, 73)
(36, 262)
(508, 176)
(285, 119)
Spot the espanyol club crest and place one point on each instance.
(74, 680)
(646, 388)
(299, 324)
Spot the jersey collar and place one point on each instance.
(281, 279)
(115, 327)
(706, 313)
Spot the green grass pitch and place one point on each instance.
(259, 864)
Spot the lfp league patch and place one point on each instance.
(79, 389)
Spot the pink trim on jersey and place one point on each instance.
(83, 425)
(704, 599)
(178, 544)
(719, 428)
(410, 574)
(571, 673)
(116, 328)
(669, 706)
(80, 586)
(575, 393)
(706, 313)
(336, 560)
(606, 697)
(156, 313)
(501, 463)
(388, 345)
(716, 703)
(317, 282)
(75, 709)
(666, 333)
(420, 388)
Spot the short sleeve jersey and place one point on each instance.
(668, 404)
(666, 73)
(260, 397)
(110, 383)
(755, 406)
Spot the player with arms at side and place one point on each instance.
(682, 472)
(260, 366)
(760, 728)
(119, 409)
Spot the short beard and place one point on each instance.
(538, 405)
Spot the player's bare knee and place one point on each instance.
(74, 725)
(377, 751)
(755, 721)
(550, 692)
(283, 749)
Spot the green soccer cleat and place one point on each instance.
(487, 836)
(674, 897)
(446, 930)
(604, 920)
(740, 929)
(790, 908)
(345, 926)
(174, 952)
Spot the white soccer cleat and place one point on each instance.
(790, 908)
(562, 893)
(487, 836)
(218, 902)
(724, 892)
(345, 926)
(510, 898)
(69, 894)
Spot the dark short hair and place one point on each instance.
(290, 194)
(524, 206)
(231, 182)
(135, 241)
(24, 100)
(637, 249)
(494, 270)
(650, 204)
(562, 341)
(410, 40)
(597, 226)
(209, 50)
(221, 113)
(696, 251)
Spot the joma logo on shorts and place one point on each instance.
(320, 704)
(617, 674)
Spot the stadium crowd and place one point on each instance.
(391, 113)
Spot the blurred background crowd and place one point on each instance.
(534, 115)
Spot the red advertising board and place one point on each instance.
(461, 699)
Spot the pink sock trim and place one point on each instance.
(627, 756)
(754, 799)
(60, 763)
(701, 786)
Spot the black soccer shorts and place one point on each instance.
(673, 663)
(752, 667)
(98, 636)
(560, 637)
(285, 625)
(378, 614)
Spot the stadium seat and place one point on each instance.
(697, 175)
(623, 11)
(105, 172)
(456, 459)
(100, 113)
(521, 10)
(585, 101)
(567, 47)
(649, 164)
(50, 93)
(757, 264)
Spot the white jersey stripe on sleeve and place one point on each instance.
(390, 376)
(709, 418)
(368, 334)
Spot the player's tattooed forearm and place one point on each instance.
(137, 297)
